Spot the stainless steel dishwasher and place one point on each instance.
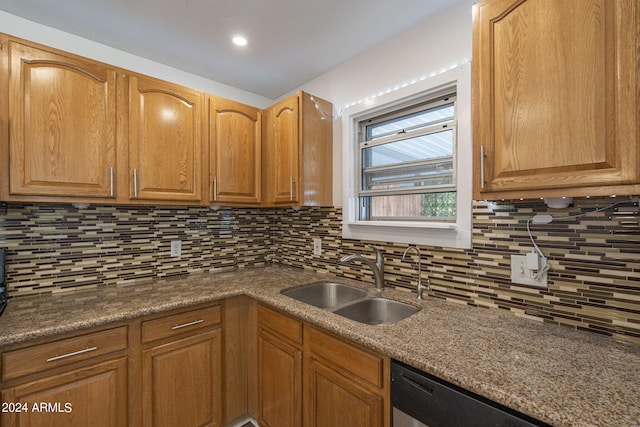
(421, 400)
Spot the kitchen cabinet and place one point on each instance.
(298, 152)
(165, 142)
(342, 383)
(79, 380)
(76, 130)
(346, 385)
(279, 369)
(235, 150)
(160, 370)
(61, 123)
(334, 400)
(555, 98)
(240, 361)
(182, 369)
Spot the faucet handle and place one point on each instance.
(375, 248)
(379, 257)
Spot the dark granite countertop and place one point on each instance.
(552, 373)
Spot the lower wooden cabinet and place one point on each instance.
(160, 370)
(279, 369)
(333, 400)
(93, 395)
(346, 385)
(167, 369)
(182, 369)
(331, 382)
(75, 380)
(181, 382)
(280, 382)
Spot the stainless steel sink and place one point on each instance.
(377, 311)
(327, 295)
(353, 303)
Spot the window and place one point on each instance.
(407, 166)
(407, 163)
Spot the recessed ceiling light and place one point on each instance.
(239, 40)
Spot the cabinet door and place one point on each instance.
(92, 396)
(62, 113)
(182, 382)
(555, 95)
(235, 152)
(283, 152)
(165, 145)
(335, 401)
(279, 382)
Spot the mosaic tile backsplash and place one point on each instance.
(594, 281)
(52, 248)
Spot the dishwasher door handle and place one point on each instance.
(417, 383)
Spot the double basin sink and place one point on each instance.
(352, 303)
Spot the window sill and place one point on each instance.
(404, 224)
(432, 234)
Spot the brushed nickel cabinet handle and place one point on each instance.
(184, 325)
(482, 167)
(215, 188)
(111, 182)
(135, 183)
(291, 188)
(75, 353)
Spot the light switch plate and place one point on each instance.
(176, 248)
(317, 246)
(523, 275)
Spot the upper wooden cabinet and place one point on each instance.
(62, 125)
(282, 160)
(555, 98)
(76, 130)
(165, 141)
(235, 153)
(298, 152)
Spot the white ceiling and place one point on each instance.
(290, 41)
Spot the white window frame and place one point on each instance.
(432, 233)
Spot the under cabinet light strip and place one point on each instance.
(403, 85)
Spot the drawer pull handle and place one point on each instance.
(184, 325)
(75, 353)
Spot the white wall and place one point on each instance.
(436, 44)
(29, 30)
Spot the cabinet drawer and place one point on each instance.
(359, 362)
(58, 353)
(180, 323)
(282, 324)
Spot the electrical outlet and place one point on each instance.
(522, 274)
(176, 248)
(317, 246)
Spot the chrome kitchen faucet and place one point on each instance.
(376, 266)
